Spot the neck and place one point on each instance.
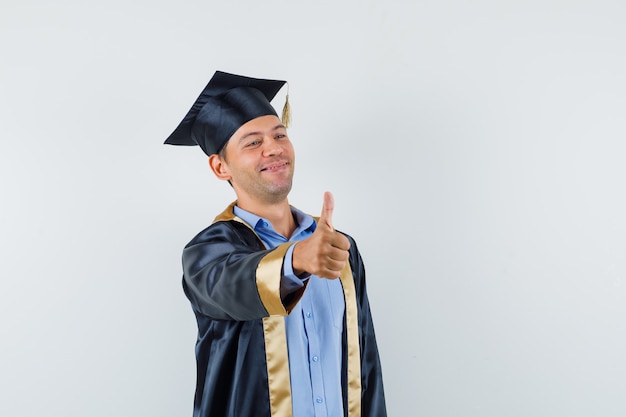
(279, 214)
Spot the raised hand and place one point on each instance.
(325, 252)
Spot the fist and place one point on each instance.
(325, 252)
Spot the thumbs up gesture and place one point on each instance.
(325, 252)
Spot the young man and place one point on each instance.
(284, 325)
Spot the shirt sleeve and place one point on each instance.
(291, 282)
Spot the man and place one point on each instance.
(284, 326)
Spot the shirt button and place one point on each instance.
(319, 400)
(315, 358)
(308, 315)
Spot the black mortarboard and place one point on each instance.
(227, 102)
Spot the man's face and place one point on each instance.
(259, 159)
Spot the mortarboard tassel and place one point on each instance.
(286, 119)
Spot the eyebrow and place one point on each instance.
(277, 127)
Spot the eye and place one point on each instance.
(253, 143)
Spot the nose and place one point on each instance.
(272, 147)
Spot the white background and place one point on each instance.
(475, 151)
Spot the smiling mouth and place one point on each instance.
(275, 166)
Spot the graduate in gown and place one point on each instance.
(284, 324)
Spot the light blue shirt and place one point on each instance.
(314, 327)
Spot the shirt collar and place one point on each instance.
(304, 221)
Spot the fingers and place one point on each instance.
(327, 210)
(331, 268)
(333, 257)
(340, 242)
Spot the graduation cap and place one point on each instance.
(227, 102)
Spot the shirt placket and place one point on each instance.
(314, 359)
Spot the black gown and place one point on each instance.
(233, 284)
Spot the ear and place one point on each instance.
(219, 167)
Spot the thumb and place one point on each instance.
(327, 210)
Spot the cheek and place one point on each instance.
(244, 164)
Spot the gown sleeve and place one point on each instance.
(229, 275)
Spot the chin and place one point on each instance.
(279, 192)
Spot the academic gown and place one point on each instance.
(233, 284)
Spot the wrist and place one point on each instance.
(297, 265)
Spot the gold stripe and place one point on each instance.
(354, 354)
(227, 214)
(277, 366)
(268, 275)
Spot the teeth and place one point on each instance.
(274, 166)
